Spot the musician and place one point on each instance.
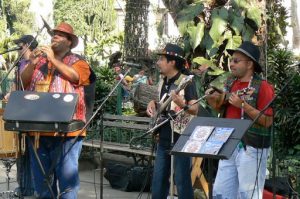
(56, 69)
(171, 65)
(27, 43)
(236, 177)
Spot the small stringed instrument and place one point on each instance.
(245, 92)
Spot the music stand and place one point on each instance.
(240, 128)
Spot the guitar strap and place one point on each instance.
(174, 86)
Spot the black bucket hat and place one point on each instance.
(173, 50)
(27, 39)
(252, 51)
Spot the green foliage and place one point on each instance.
(15, 20)
(94, 21)
(287, 105)
(209, 29)
(17, 17)
(105, 82)
(196, 34)
(187, 15)
(276, 23)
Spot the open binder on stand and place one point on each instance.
(212, 138)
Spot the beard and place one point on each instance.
(238, 72)
(59, 46)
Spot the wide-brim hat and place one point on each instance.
(173, 50)
(67, 28)
(27, 39)
(250, 50)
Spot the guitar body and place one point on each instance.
(167, 99)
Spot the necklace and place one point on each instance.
(243, 98)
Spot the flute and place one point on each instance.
(38, 52)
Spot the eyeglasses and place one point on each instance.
(236, 60)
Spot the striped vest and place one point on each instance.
(59, 84)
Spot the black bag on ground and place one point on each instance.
(128, 178)
(281, 186)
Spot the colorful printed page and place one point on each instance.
(197, 138)
(216, 140)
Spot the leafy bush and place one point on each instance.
(105, 82)
(287, 105)
(287, 117)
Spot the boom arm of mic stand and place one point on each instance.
(271, 102)
(102, 104)
(150, 131)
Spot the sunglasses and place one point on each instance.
(237, 60)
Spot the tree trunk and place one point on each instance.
(136, 30)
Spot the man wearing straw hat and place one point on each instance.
(56, 69)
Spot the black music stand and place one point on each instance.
(41, 112)
(240, 127)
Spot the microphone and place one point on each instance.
(132, 64)
(46, 25)
(12, 49)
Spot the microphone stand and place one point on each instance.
(20, 133)
(262, 112)
(102, 129)
(100, 108)
(169, 118)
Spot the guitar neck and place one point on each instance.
(238, 92)
(164, 105)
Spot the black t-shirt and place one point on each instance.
(190, 93)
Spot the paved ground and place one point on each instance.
(90, 186)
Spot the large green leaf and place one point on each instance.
(219, 26)
(247, 33)
(196, 34)
(220, 81)
(204, 61)
(184, 25)
(215, 71)
(185, 17)
(219, 23)
(240, 3)
(234, 42)
(237, 24)
(213, 51)
(254, 13)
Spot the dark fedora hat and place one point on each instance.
(67, 28)
(173, 50)
(250, 50)
(27, 39)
